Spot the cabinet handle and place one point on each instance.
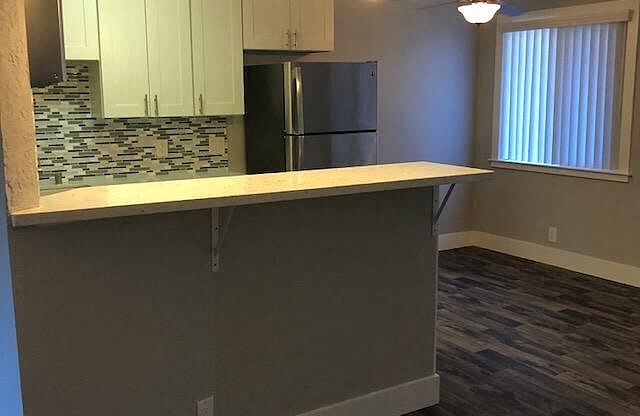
(201, 105)
(288, 39)
(146, 105)
(295, 40)
(155, 100)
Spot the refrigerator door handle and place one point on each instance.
(294, 152)
(297, 100)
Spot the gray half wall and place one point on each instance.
(316, 302)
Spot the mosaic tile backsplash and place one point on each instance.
(77, 148)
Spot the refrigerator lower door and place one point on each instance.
(331, 150)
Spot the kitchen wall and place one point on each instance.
(426, 82)
(595, 218)
(75, 147)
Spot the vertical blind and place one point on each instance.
(560, 101)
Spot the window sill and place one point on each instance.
(604, 175)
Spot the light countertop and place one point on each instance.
(192, 194)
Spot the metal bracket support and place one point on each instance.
(219, 227)
(215, 239)
(438, 207)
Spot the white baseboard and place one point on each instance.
(605, 269)
(455, 240)
(395, 401)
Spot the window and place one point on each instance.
(566, 79)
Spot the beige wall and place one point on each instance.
(316, 301)
(235, 137)
(595, 218)
(426, 82)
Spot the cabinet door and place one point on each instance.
(312, 25)
(170, 63)
(218, 56)
(266, 24)
(80, 23)
(123, 58)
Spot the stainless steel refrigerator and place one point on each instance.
(310, 116)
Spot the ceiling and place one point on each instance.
(431, 3)
(424, 2)
(421, 3)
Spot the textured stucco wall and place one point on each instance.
(16, 109)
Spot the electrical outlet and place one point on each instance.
(205, 407)
(162, 149)
(216, 145)
(553, 235)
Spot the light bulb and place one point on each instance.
(479, 12)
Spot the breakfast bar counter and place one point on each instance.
(302, 294)
(157, 197)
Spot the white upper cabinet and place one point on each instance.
(170, 58)
(267, 24)
(217, 57)
(299, 25)
(80, 23)
(146, 62)
(170, 67)
(124, 77)
(312, 25)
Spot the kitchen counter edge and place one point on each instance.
(112, 201)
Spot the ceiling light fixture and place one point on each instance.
(478, 11)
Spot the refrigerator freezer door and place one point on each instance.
(333, 97)
(331, 150)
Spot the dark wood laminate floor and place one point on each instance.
(522, 338)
